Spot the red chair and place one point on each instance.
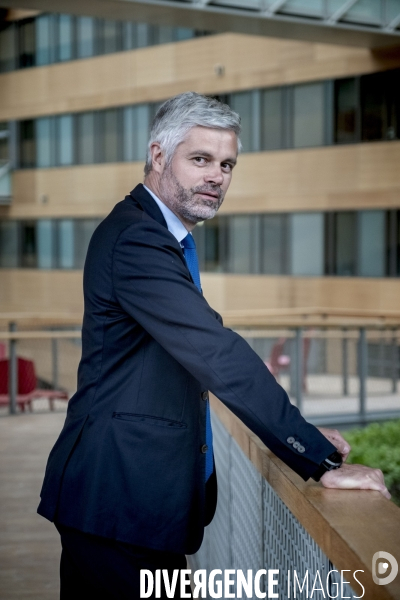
(27, 390)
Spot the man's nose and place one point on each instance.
(214, 175)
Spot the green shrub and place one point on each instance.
(378, 446)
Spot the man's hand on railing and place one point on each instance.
(356, 477)
(337, 440)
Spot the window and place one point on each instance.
(66, 242)
(143, 35)
(45, 142)
(65, 37)
(373, 107)
(110, 128)
(346, 111)
(308, 115)
(307, 244)
(44, 40)
(111, 36)
(345, 243)
(28, 244)
(85, 37)
(272, 119)
(243, 236)
(136, 126)
(65, 140)
(372, 243)
(245, 103)
(164, 34)
(86, 138)
(9, 244)
(273, 244)
(212, 245)
(84, 229)
(8, 48)
(27, 144)
(26, 37)
(4, 143)
(45, 244)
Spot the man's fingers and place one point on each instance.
(356, 477)
(334, 436)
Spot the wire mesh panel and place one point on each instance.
(253, 529)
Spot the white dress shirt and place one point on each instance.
(175, 226)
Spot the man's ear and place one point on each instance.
(157, 158)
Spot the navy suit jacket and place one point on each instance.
(129, 463)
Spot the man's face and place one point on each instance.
(194, 184)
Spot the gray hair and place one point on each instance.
(179, 114)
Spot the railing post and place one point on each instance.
(54, 362)
(13, 371)
(345, 363)
(299, 368)
(394, 361)
(362, 371)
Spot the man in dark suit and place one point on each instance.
(131, 481)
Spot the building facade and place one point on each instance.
(312, 218)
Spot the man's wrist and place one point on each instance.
(333, 461)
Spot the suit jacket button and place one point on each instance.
(204, 395)
(290, 440)
(204, 448)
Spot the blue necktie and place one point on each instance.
(189, 250)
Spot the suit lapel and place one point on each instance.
(141, 196)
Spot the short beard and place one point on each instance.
(183, 203)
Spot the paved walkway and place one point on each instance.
(29, 545)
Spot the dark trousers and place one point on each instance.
(96, 568)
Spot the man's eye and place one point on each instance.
(200, 160)
(227, 167)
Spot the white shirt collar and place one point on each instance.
(175, 226)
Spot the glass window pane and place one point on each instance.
(183, 33)
(28, 244)
(308, 115)
(65, 140)
(86, 138)
(8, 49)
(271, 119)
(111, 143)
(372, 243)
(45, 244)
(242, 104)
(111, 36)
(66, 241)
(43, 40)
(313, 8)
(9, 235)
(345, 243)
(45, 142)
(373, 107)
(65, 37)
(165, 34)
(307, 243)
(136, 127)
(84, 229)
(4, 142)
(27, 144)
(85, 37)
(143, 33)
(243, 244)
(129, 36)
(364, 11)
(26, 36)
(346, 108)
(212, 245)
(273, 259)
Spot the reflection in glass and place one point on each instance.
(65, 37)
(346, 109)
(271, 119)
(44, 142)
(371, 241)
(307, 243)
(45, 244)
(308, 115)
(43, 40)
(345, 243)
(85, 37)
(273, 244)
(9, 231)
(66, 242)
(65, 140)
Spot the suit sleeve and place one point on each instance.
(152, 284)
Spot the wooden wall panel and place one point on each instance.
(336, 177)
(47, 292)
(157, 72)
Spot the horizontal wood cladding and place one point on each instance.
(155, 73)
(331, 178)
(48, 292)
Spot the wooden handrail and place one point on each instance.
(348, 525)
